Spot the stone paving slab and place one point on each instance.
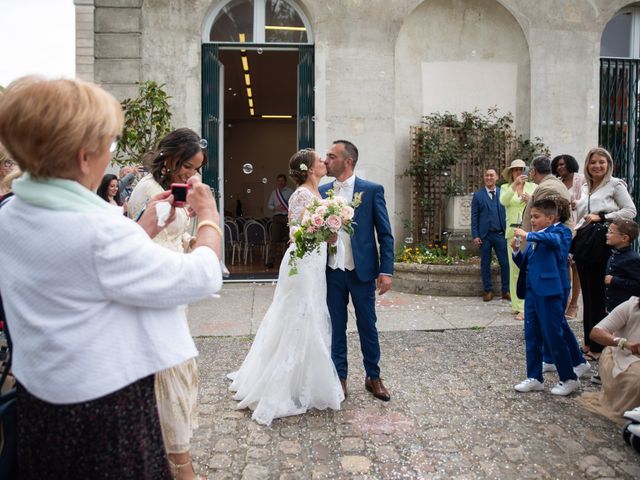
(454, 414)
(241, 307)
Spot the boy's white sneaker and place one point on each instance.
(548, 367)
(633, 415)
(582, 369)
(529, 385)
(566, 388)
(635, 429)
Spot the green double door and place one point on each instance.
(213, 110)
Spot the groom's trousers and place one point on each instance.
(340, 284)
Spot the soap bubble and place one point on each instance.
(424, 230)
(463, 248)
(203, 143)
(408, 240)
(248, 190)
(260, 51)
(247, 168)
(446, 174)
(264, 180)
(313, 119)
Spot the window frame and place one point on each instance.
(259, 21)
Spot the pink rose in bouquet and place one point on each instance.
(334, 223)
(321, 220)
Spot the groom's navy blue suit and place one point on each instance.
(372, 220)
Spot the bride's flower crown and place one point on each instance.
(303, 167)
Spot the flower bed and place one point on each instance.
(430, 271)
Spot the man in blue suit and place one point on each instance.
(488, 224)
(356, 268)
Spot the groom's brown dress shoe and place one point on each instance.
(343, 382)
(375, 386)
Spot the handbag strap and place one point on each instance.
(7, 365)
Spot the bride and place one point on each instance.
(289, 368)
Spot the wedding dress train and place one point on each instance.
(288, 369)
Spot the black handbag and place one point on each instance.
(8, 428)
(590, 243)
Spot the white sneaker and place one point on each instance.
(582, 369)
(529, 385)
(633, 415)
(635, 429)
(548, 367)
(565, 388)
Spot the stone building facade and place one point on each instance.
(380, 65)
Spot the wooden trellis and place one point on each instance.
(431, 191)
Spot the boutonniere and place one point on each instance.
(357, 199)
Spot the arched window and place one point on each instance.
(259, 21)
(621, 36)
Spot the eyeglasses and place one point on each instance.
(114, 145)
(8, 163)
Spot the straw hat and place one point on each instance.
(517, 163)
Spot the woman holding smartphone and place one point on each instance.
(87, 344)
(180, 155)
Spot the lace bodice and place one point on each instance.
(298, 202)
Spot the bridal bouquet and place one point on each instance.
(321, 220)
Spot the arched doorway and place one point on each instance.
(257, 109)
(620, 94)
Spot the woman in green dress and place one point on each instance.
(514, 195)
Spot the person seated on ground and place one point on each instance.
(619, 363)
(623, 269)
(544, 278)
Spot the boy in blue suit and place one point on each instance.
(543, 267)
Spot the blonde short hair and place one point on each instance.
(44, 123)
(602, 152)
(4, 155)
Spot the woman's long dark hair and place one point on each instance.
(103, 189)
(173, 151)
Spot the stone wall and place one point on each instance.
(369, 56)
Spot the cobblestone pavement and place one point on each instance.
(453, 414)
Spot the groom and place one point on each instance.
(356, 269)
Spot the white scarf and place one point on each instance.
(60, 194)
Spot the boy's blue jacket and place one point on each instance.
(544, 268)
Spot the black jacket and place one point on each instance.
(624, 267)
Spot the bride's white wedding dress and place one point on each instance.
(289, 368)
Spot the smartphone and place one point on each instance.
(179, 192)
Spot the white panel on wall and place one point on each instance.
(463, 86)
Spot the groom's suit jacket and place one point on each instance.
(371, 219)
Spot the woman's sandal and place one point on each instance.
(593, 357)
(175, 470)
(572, 312)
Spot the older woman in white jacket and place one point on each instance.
(604, 198)
(91, 301)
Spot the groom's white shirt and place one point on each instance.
(343, 258)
